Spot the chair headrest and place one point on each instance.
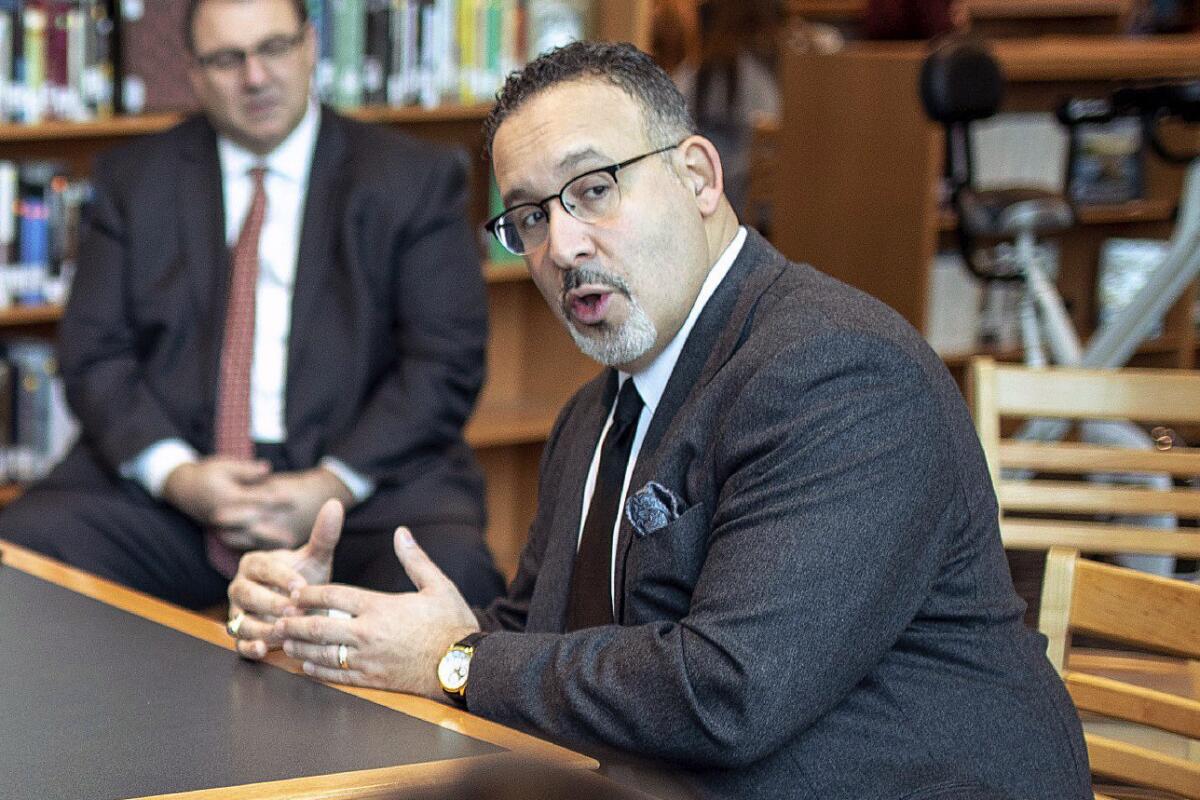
(961, 81)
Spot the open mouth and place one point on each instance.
(588, 305)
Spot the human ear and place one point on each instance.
(702, 173)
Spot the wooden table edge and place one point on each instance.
(348, 784)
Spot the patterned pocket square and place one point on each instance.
(652, 508)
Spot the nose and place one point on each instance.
(569, 240)
(254, 72)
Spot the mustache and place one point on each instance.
(581, 276)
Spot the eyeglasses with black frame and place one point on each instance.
(591, 197)
(271, 50)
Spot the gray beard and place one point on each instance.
(613, 347)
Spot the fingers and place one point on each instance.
(273, 570)
(326, 531)
(258, 600)
(246, 471)
(237, 516)
(316, 630)
(347, 676)
(334, 596)
(255, 650)
(424, 574)
(249, 634)
(325, 655)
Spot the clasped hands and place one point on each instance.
(250, 506)
(392, 641)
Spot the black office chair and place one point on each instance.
(962, 82)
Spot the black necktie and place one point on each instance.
(591, 596)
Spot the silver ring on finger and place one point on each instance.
(235, 624)
(342, 652)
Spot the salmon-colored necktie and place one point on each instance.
(237, 353)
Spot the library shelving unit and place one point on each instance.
(532, 364)
(859, 168)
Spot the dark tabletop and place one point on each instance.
(99, 703)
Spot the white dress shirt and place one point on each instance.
(651, 383)
(286, 185)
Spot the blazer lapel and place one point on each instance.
(548, 606)
(202, 224)
(713, 340)
(324, 211)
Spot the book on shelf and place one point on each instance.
(55, 59)
(154, 66)
(1020, 149)
(1125, 266)
(1106, 162)
(41, 210)
(56, 56)
(36, 425)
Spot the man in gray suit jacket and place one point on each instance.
(363, 354)
(804, 594)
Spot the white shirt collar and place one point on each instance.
(291, 160)
(652, 381)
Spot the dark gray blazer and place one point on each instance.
(831, 615)
(389, 321)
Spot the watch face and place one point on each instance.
(452, 670)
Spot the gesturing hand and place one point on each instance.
(265, 579)
(393, 641)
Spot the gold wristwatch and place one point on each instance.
(455, 666)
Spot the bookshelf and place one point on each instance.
(532, 365)
(995, 17)
(522, 395)
(859, 168)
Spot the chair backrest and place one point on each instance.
(1158, 615)
(1043, 503)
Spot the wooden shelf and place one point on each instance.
(1155, 210)
(21, 316)
(1134, 211)
(1161, 345)
(855, 10)
(1083, 58)
(1042, 9)
(140, 124)
(505, 272)
(500, 424)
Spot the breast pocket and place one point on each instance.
(661, 568)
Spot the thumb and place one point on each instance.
(420, 569)
(326, 531)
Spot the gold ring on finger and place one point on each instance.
(235, 624)
(343, 651)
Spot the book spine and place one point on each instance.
(377, 53)
(348, 18)
(35, 63)
(6, 63)
(8, 211)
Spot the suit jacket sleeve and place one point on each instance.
(441, 309)
(510, 611)
(831, 476)
(98, 350)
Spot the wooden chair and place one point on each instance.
(1159, 615)
(1038, 508)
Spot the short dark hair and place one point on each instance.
(193, 6)
(622, 65)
